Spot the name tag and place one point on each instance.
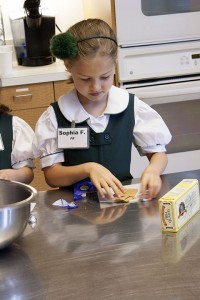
(1, 144)
(73, 138)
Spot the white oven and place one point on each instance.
(159, 61)
(141, 22)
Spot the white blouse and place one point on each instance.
(22, 154)
(150, 133)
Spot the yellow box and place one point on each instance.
(179, 205)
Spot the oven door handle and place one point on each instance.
(167, 92)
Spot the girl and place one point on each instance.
(89, 132)
(16, 158)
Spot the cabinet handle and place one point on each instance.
(16, 97)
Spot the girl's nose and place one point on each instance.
(95, 85)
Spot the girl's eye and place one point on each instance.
(104, 78)
(85, 79)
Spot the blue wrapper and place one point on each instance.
(81, 189)
(71, 205)
(63, 203)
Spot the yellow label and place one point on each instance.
(167, 215)
(179, 205)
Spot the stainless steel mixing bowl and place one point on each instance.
(15, 199)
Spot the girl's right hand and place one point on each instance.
(102, 178)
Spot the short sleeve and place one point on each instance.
(151, 134)
(22, 154)
(45, 140)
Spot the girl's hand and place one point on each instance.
(150, 185)
(150, 179)
(102, 178)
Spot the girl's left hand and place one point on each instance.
(150, 185)
(150, 180)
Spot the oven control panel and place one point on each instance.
(190, 59)
(196, 58)
(156, 61)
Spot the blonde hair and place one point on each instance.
(94, 36)
(84, 40)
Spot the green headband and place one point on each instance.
(64, 45)
(98, 37)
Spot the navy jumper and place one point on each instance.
(111, 148)
(6, 131)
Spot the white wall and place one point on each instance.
(98, 9)
(67, 12)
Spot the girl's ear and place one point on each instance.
(67, 65)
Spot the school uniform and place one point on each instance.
(124, 121)
(6, 137)
(16, 138)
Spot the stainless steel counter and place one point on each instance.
(91, 253)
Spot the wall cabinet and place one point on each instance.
(61, 87)
(29, 102)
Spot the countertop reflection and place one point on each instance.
(92, 253)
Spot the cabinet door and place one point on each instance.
(61, 88)
(27, 96)
(39, 181)
(30, 115)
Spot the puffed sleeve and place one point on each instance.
(22, 154)
(45, 140)
(151, 134)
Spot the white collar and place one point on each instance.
(73, 110)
